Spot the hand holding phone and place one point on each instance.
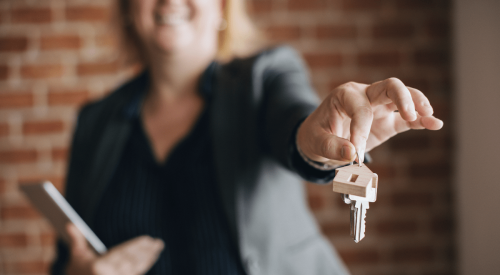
(88, 254)
(133, 257)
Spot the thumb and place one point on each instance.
(336, 148)
(77, 241)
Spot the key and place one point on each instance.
(358, 187)
(359, 206)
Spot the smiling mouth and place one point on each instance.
(171, 19)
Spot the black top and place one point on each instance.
(175, 201)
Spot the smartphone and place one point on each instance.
(45, 197)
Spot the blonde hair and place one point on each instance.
(239, 38)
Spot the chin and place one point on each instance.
(171, 40)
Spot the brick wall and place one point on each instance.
(56, 55)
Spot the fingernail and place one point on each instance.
(361, 155)
(347, 152)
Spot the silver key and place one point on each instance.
(359, 206)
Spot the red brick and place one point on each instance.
(4, 129)
(334, 83)
(38, 267)
(433, 58)
(4, 72)
(442, 226)
(18, 156)
(411, 198)
(42, 71)
(260, 6)
(48, 239)
(336, 32)
(393, 30)
(18, 100)
(107, 41)
(13, 44)
(365, 256)
(315, 60)
(430, 171)
(305, 5)
(414, 4)
(97, 68)
(18, 212)
(391, 227)
(87, 13)
(437, 29)
(60, 154)
(42, 127)
(31, 15)
(414, 254)
(13, 240)
(417, 83)
(73, 98)
(441, 110)
(410, 143)
(284, 33)
(336, 229)
(57, 181)
(361, 5)
(383, 171)
(379, 59)
(60, 42)
(316, 201)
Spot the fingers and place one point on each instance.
(77, 240)
(393, 90)
(335, 148)
(132, 257)
(357, 106)
(422, 122)
(422, 104)
(432, 123)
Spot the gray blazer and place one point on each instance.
(257, 104)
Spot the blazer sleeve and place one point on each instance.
(288, 99)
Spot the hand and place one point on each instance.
(133, 257)
(360, 117)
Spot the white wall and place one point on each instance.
(477, 124)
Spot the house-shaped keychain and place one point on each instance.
(356, 180)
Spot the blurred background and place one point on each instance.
(56, 55)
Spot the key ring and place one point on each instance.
(359, 163)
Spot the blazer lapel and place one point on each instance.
(107, 158)
(223, 118)
(109, 149)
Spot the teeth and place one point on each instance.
(171, 19)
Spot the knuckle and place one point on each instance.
(418, 91)
(364, 110)
(394, 81)
(349, 86)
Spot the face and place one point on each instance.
(172, 26)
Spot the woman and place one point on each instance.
(191, 168)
